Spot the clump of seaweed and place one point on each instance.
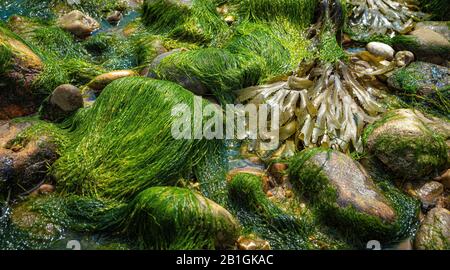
(382, 17)
(123, 144)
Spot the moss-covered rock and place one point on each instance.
(441, 27)
(434, 233)
(345, 197)
(30, 221)
(177, 218)
(27, 149)
(124, 144)
(19, 68)
(420, 78)
(426, 45)
(406, 145)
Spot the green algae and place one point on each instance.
(123, 144)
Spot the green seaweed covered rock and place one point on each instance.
(19, 68)
(406, 145)
(178, 218)
(124, 144)
(420, 78)
(347, 198)
(426, 44)
(189, 20)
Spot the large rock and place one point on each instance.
(440, 27)
(409, 147)
(78, 23)
(426, 44)
(353, 187)
(63, 102)
(420, 78)
(19, 68)
(345, 197)
(24, 162)
(434, 232)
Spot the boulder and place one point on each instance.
(19, 68)
(426, 44)
(65, 100)
(420, 78)
(24, 162)
(353, 187)
(434, 232)
(78, 23)
(440, 27)
(407, 145)
(348, 199)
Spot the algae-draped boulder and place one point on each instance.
(420, 78)
(434, 233)
(124, 143)
(426, 45)
(348, 199)
(26, 152)
(441, 27)
(407, 145)
(19, 68)
(178, 218)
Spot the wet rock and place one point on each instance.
(354, 188)
(24, 163)
(426, 45)
(78, 23)
(381, 50)
(406, 145)
(65, 100)
(404, 58)
(114, 17)
(436, 26)
(98, 83)
(434, 232)
(252, 243)
(19, 68)
(429, 193)
(420, 78)
(444, 179)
